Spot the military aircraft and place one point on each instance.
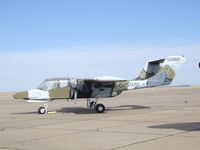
(155, 73)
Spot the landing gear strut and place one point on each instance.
(99, 108)
(43, 110)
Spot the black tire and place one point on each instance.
(42, 110)
(100, 108)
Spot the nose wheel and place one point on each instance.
(43, 110)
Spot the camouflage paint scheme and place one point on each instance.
(60, 93)
(155, 73)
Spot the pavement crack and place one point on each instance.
(153, 139)
(12, 148)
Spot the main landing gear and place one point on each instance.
(100, 108)
(43, 110)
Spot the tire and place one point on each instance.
(100, 108)
(42, 110)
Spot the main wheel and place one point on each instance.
(42, 110)
(100, 108)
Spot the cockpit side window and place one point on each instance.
(64, 83)
(53, 84)
(46, 85)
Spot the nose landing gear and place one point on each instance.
(43, 110)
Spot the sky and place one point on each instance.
(87, 38)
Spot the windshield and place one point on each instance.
(53, 84)
(42, 86)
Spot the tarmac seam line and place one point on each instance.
(149, 140)
(12, 148)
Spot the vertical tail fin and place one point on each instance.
(159, 72)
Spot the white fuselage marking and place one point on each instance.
(38, 94)
(137, 84)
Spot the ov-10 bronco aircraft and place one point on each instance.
(155, 73)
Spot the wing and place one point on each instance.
(106, 79)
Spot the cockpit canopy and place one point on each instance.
(50, 84)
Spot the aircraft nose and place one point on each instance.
(21, 95)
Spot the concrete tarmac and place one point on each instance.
(162, 118)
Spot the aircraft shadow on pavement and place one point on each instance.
(21, 113)
(83, 110)
(184, 126)
(127, 107)
(76, 110)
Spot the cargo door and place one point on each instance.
(102, 89)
